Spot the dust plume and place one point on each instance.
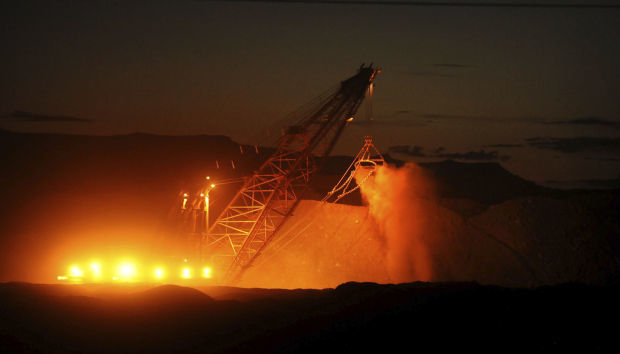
(402, 203)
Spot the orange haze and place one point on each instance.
(401, 202)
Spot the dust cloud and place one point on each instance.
(402, 202)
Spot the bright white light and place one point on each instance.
(126, 271)
(95, 267)
(206, 272)
(159, 273)
(186, 273)
(75, 272)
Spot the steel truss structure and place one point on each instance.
(269, 196)
(361, 169)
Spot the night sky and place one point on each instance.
(534, 88)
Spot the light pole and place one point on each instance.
(205, 207)
(206, 204)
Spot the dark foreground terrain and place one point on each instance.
(354, 317)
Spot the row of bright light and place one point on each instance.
(127, 271)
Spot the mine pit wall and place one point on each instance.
(324, 245)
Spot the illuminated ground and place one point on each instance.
(520, 243)
(523, 242)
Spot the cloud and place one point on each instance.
(456, 117)
(23, 116)
(594, 121)
(607, 159)
(480, 118)
(429, 74)
(503, 146)
(586, 183)
(480, 155)
(576, 144)
(388, 122)
(581, 122)
(418, 151)
(453, 65)
(402, 111)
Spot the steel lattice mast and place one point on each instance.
(269, 196)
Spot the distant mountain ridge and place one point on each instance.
(168, 160)
(485, 182)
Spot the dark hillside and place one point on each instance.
(350, 318)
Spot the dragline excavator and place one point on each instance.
(258, 210)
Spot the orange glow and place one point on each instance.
(129, 270)
(159, 273)
(75, 272)
(95, 268)
(126, 271)
(392, 196)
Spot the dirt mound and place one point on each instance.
(562, 239)
(524, 242)
(166, 295)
